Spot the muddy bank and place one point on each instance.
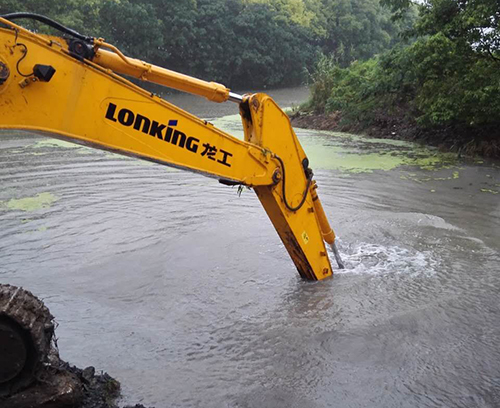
(32, 374)
(61, 385)
(484, 142)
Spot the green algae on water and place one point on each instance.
(352, 154)
(230, 124)
(367, 163)
(42, 200)
(55, 143)
(61, 144)
(357, 154)
(487, 190)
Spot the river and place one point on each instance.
(182, 290)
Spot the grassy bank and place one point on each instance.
(441, 88)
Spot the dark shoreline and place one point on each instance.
(61, 385)
(484, 143)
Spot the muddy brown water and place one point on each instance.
(182, 290)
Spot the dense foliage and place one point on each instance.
(448, 78)
(237, 42)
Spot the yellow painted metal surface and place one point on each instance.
(85, 102)
(299, 230)
(326, 230)
(118, 62)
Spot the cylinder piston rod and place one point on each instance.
(326, 230)
(233, 97)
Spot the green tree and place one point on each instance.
(241, 43)
(448, 79)
(354, 29)
(133, 27)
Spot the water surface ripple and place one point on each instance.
(182, 290)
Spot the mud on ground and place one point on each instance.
(66, 386)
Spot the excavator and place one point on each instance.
(78, 88)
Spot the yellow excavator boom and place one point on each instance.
(70, 88)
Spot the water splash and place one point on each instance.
(374, 259)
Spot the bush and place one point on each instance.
(435, 80)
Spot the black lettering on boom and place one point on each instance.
(179, 138)
(167, 133)
(110, 113)
(192, 144)
(144, 121)
(156, 129)
(126, 117)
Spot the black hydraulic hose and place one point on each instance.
(304, 196)
(23, 57)
(49, 22)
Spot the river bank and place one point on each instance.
(32, 373)
(485, 143)
(64, 385)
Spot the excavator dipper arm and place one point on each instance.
(70, 89)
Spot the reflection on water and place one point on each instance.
(183, 291)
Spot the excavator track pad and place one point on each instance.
(26, 332)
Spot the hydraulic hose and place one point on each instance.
(49, 22)
(304, 195)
